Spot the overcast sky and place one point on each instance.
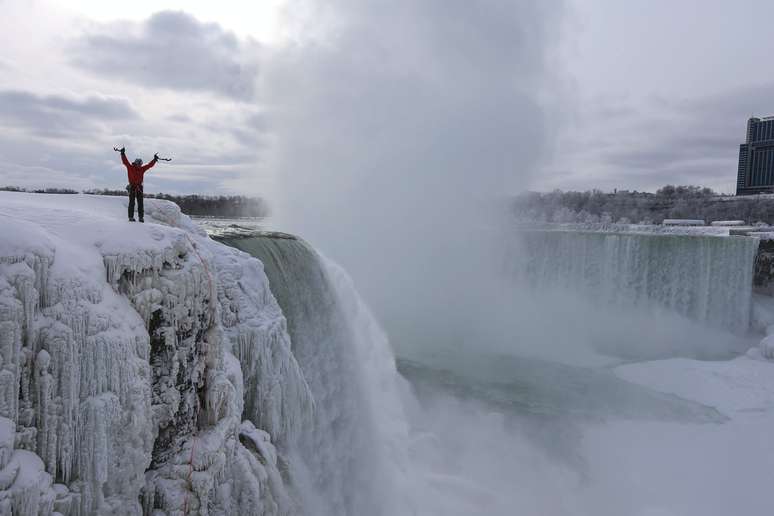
(662, 90)
(632, 94)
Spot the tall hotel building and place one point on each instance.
(756, 158)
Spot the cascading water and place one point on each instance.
(353, 458)
(337, 466)
(705, 278)
(482, 414)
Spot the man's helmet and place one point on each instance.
(137, 162)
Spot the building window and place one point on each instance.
(770, 166)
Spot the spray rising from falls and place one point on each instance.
(707, 279)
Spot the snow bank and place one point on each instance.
(126, 354)
(737, 387)
(670, 468)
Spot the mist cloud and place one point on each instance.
(398, 127)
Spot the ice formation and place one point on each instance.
(144, 369)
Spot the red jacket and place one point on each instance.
(135, 173)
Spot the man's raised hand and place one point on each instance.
(121, 150)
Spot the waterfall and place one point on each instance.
(705, 278)
(338, 464)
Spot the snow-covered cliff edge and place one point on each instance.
(126, 354)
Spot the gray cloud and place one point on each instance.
(171, 50)
(58, 115)
(39, 163)
(66, 141)
(251, 131)
(42, 162)
(660, 154)
(180, 118)
(662, 140)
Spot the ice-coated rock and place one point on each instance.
(129, 355)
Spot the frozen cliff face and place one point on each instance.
(129, 354)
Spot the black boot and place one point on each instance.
(131, 219)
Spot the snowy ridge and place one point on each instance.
(127, 355)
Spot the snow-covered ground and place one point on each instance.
(649, 468)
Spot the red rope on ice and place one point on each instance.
(212, 310)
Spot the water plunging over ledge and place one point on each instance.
(707, 278)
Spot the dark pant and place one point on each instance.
(135, 192)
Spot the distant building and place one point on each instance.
(756, 158)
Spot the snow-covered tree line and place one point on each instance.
(191, 204)
(624, 206)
